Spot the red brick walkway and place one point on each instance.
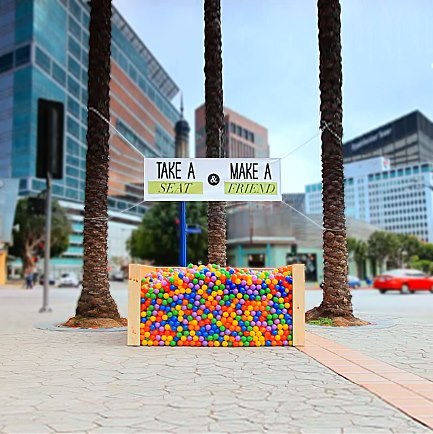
(409, 393)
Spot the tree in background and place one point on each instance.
(157, 237)
(382, 247)
(407, 246)
(359, 250)
(337, 299)
(30, 233)
(217, 234)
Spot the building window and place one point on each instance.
(84, 96)
(59, 74)
(43, 60)
(85, 59)
(71, 171)
(71, 182)
(74, 28)
(72, 146)
(75, 9)
(22, 55)
(73, 107)
(74, 68)
(6, 62)
(74, 87)
(74, 48)
(73, 127)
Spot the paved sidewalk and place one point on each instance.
(408, 392)
(92, 382)
(408, 344)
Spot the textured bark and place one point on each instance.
(336, 293)
(95, 299)
(217, 233)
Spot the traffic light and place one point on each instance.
(50, 139)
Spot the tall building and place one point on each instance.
(44, 54)
(405, 141)
(182, 135)
(243, 137)
(395, 199)
(295, 200)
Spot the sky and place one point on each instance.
(270, 66)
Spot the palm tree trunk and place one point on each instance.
(214, 124)
(336, 294)
(95, 300)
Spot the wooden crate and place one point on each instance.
(138, 272)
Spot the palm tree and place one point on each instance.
(95, 300)
(214, 123)
(336, 301)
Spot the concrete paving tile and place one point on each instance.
(140, 419)
(113, 430)
(28, 428)
(246, 391)
(72, 426)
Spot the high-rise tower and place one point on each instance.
(182, 135)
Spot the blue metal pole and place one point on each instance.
(182, 241)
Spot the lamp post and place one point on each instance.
(182, 143)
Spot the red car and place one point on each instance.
(405, 280)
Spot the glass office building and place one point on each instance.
(44, 54)
(407, 140)
(396, 199)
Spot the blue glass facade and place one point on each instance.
(45, 55)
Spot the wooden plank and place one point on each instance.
(145, 269)
(298, 275)
(134, 289)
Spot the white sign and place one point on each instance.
(370, 139)
(212, 179)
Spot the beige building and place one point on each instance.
(243, 137)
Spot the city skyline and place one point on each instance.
(271, 74)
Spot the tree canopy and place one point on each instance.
(390, 250)
(157, 237)
(29, 234)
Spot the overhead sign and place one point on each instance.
(212, 179)
(370, 139)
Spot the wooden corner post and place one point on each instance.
(134, 294)
(298, 276)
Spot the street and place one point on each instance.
(371, 302)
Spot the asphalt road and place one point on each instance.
(370, 301)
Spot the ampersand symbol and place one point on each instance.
(213, 179)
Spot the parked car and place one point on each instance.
(69, 279)
(404, 280)
(354, 282)
(118, 276)
(51, 280)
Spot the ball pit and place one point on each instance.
(212, 306)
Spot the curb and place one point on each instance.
(57, 328)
